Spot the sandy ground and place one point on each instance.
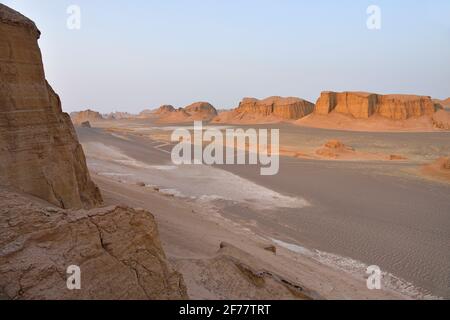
(192, 236)
(329, 219)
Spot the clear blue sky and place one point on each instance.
(136, 54)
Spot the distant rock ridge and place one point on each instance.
(363, 105)
(39, 150)
(167, 108)
(198, 111)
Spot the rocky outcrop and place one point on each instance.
(273, 109)
(87, 115)
(116, 248)
(362, 105)
(284, 108)
(334, 149)
(238, 275)
(86, 124)
(199, 111)
(39, 150)
(165, 109)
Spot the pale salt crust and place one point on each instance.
(210, 184)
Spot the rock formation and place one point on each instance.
(39, 149)
(199, 111)
(270, 109)
(165, 109)
(86, 124)
(117, 249)
(237, 275)
(334, 149)
(285, 108)
(118, 116)
(441, 119)
(362, 105)
(87, 115)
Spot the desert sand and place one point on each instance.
(315, 210)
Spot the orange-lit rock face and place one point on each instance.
(39, 149)
(285, 108)
(363, 105)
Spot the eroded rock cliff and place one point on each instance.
(39, 149)
(362, 105)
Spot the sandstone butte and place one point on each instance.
(269, 109)
(286, 108)
(362, 105)
(86, 115)
(43, 173)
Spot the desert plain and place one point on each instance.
(373, 203)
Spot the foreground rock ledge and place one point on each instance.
(117, 249)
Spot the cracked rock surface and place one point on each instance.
(117, 249)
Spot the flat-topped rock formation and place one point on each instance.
(39, 149)
(271, 109)
(286, 108)
(363, 105)
(117, 249)
(86, 115)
